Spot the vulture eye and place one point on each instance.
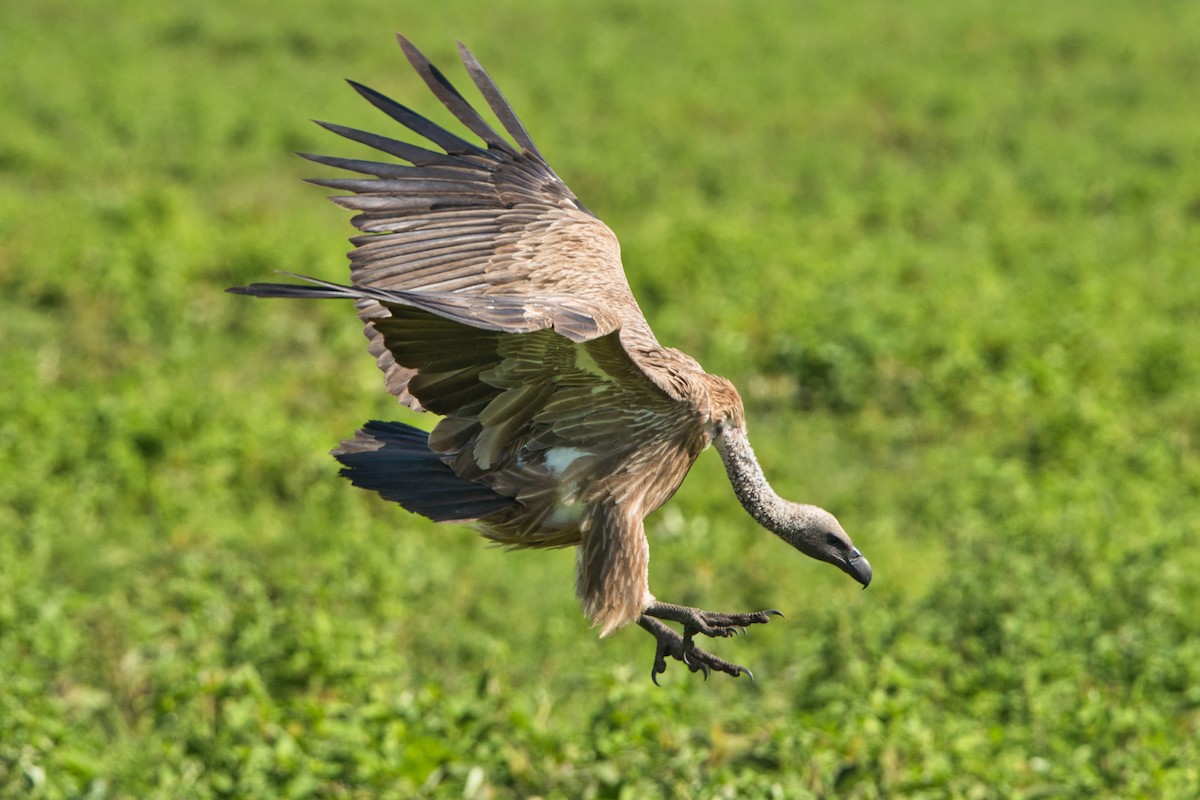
(832, 540)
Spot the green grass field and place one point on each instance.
(948, 252)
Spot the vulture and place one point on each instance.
(492, 297)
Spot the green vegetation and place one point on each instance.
(947, 251)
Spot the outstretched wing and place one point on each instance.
(493, 297)
(475, 222)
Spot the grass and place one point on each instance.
(948, 252)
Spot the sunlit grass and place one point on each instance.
(947, 252)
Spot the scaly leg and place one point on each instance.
(694, 620)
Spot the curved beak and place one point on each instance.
(859, 568)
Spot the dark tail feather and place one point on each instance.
(395, 460)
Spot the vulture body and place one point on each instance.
(492, 297)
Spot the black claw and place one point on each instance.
(776, 612)
(660, 662)
(695, 665)
(748, 672)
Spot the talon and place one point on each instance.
(660, 662)
(682, 647)
(776, 612)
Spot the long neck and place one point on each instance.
(811, 530)
(749, 483)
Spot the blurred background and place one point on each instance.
(948, 252)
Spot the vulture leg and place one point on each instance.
(683, 648)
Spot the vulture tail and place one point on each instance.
(394, 460)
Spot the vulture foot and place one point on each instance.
(683, 648)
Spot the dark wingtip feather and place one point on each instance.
(418, 124)
(451, 98)
(289, 290)
(496, 100)
(409, 152)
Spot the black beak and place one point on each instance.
(858, 568)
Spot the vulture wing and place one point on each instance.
(493, 297)
(476, 232)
